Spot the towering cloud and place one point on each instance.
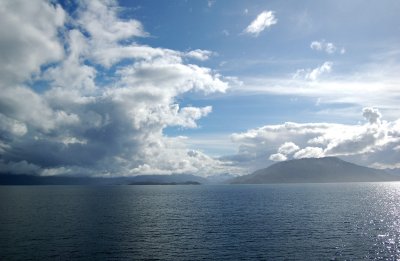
(78, 124)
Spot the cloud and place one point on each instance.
(198, 54)
(372, 115)
(263, 20)
(285, 150)
(96, 115)
(309, 152)
(288, 148)
(327, 47)
(277, 157)
(100, 20)
(326, 67)
(21, 167)
(314, 74)
(28, 38)
(368, 144)
(369, 85)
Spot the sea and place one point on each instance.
(349, 221)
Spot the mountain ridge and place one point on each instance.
(24, 179)
(315, 170)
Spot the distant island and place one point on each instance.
(173, 179)
(165, 183)
(315, 170)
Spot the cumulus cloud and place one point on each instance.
(326, 67)
(285, 150)
(309, 152)
(28, 38)
(263, 20)
(372, 115)
(198, 54)
(314, 74)
(369, 143)
(288, 148)
(327, 47)
(84, 126)
(278, 157)
(100, 20)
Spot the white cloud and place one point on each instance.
(316, 45)
(330, 48)
(368, 144)
(81, 127)
(309, 152)
(263, 20)
(314, 74)
(27, 107)
(198, 54)
(373, 85)
(288, 148)
(28, 38)
(327, 47)
(326, 67)
(278, 157)
(72, 72)
(100, 19)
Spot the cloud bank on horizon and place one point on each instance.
(87, 89)
(374, 141)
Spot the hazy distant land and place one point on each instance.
(310, 170)
(315, 170)
(176, 179)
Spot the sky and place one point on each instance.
(123, 88)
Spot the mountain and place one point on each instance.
(315, 170)
(393, 171)
(174, 179)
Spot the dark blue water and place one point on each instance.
(227, 222)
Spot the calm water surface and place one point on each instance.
(227, 222)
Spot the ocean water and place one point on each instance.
(222, 222)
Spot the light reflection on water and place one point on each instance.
(381, 209)
(227, 222)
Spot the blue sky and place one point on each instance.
(277, 52)
(204, 87)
